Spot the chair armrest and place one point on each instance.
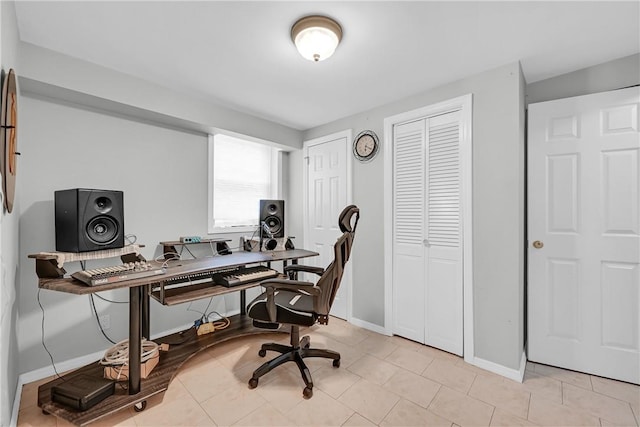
(295, 268)
(273, 285)
(291, 285)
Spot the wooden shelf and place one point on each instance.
(190, 293)
(72, 286)
(157, 382)
(50, 265)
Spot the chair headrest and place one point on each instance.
(344, 220)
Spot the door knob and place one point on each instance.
(538, 244)
(426, 242)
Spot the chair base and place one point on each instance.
(296, 352)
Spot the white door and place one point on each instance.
(584, 228)
(408, 230)
(427, 235)
(327, 185)
(443, 299)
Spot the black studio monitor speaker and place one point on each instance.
(272, 218)
(89, 220)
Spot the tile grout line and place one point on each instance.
(387, 414)
(475, 377)
(637, 417)
(428, 365)
(603, 395)
(492, 414)
(434, 397)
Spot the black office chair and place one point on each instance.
(297, 303)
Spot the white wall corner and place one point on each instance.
(16, 403)
(512, 374)
(370, 326)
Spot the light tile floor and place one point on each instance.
(387, 381)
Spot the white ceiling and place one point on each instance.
(239, 53)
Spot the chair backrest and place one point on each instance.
(330, 280)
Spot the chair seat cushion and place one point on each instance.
(291, 308)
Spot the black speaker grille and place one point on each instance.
(273, 224)
(102, 230)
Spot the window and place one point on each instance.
(241, 173)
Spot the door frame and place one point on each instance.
(464, 104)
(347, 134)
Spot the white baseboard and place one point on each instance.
(513, 374)
(64, 366)
(67, 365)
(370, 326)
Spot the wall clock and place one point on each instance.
(9, 138)
(365, 145)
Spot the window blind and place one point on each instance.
(242, 175)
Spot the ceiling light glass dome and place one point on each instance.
(316, 37)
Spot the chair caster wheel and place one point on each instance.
(336, 363)
(140, 406)
(253, 383)
(262, 353)
(307, 393)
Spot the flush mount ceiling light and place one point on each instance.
(316, 37)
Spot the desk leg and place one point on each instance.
(146, 324)
(135, 317)
(243, 302)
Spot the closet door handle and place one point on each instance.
(426, 243)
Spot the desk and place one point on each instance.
(140, 291)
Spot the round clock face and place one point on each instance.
(365, 145)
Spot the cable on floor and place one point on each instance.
(42, 338)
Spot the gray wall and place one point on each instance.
(617, 74)
(63, 77)
(9, 242)
(498, 180)
(163, 173)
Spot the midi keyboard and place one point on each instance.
(242, 275)
(117, 273)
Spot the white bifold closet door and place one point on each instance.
(427, 234)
